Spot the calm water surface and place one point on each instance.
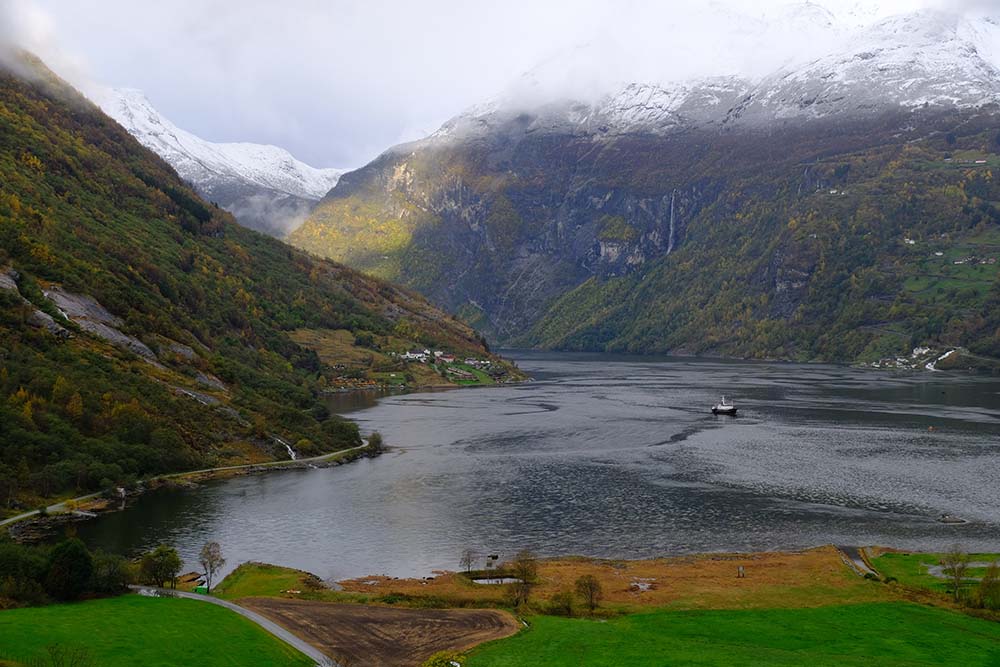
(617, 457)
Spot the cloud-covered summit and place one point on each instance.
(336, 82)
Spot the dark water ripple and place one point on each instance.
(615, 457)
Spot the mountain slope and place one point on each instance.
(143, 331)
(263, 186)
(724, 215)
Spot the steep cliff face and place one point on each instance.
(846, 247)
(750, 243)
(495, 230)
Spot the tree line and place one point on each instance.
(32, 575)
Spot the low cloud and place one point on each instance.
(989, 6)
(336, 81)
(20, 23)
(25, 26)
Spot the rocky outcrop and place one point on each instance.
(34, 317)
(93, 318)
(42, 320)
(8, 281)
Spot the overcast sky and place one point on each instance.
(337, 82)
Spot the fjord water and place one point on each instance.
(617, 457)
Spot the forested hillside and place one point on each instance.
(143, 331)
(834, 252)
(837, 240)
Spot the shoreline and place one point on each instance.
(630, 584)
(98, 503)
(94, 504)
(28, 526)
(91, 505)
(990, 366)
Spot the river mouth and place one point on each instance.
(613, 457)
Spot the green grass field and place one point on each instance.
(481, 377)
(939, 279)
(884, 634)
(911, 569)
(259, 580)
(153, 632)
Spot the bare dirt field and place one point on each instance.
(383, 636)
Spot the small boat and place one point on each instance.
(724, 408)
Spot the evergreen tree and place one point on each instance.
(70, 567)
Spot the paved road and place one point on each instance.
(58, 507)
(270, 626)
(62, 507)
(852, 556)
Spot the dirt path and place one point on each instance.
(384, 636)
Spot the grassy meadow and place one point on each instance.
(134, 630)
(884, 634)
(911, 569)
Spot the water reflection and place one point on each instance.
(352, 401)
(612, 456)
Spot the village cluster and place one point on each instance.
(921, 358)
(975, 260)
(971, 259)
(446, 363)
(437, 356)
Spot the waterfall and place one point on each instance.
(670, 240)
(291, 452)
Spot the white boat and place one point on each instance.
(724, 408)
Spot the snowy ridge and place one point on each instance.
(201, 161)
(906, 61)
(264, 187)
(651, 107)
(860, 65)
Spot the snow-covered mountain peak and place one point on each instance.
(656, 108)
(195, 158)
(264, 186)
(904, 61)
(866, 64)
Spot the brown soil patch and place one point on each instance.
(384, 636)
(802, 579)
